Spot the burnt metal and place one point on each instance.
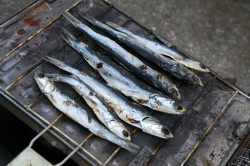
(209, 107)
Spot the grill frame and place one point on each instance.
(15, 106)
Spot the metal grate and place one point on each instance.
(242, 158)
(17, 84)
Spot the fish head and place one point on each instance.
(153, 126)
(119, 130)
(165, 104)
(44, 83)
(197, 81)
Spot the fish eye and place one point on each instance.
(202, 66)
(125, 133)
(165, 131)
(179, 107)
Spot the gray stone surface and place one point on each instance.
(217, 33)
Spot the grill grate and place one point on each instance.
(243, 156)
(205, 105)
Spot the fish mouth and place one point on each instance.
(197, 81)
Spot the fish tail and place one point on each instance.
(54, 61)
(67, 37)
(72, 19)
(89, 18)
(53, 77)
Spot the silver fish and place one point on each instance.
(142, 42)
(129, 112)
(123, 81)
(146, 49)
(102, 111)
(127, 60)
(76, 113)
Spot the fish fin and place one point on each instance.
(90, 115)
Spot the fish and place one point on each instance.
(146, 49)
(102, 111)
(121, 80)
(128, 111)
(139, 42)
(73, 110)
(127, 60)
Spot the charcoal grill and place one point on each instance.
(209, 133)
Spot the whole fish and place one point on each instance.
(102, 111)
(123, 81)
(76, 113)
(127, 60)
(148, 49)
(139, 42)
(130, 112)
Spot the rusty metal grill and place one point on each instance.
(22, 54)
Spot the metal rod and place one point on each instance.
(228, 151)
(118, 149)
(39, 97)
(209, 128)
(195, 101)
(35, 101)
(33, 67)
(40, 120)
(24, 74)
(78, 147)
(233, 87)
(44, 130)
(119, 10)
(111, 156)
(39, 63)
(126, 22)
(36, 33)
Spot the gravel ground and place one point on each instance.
(217, 33)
